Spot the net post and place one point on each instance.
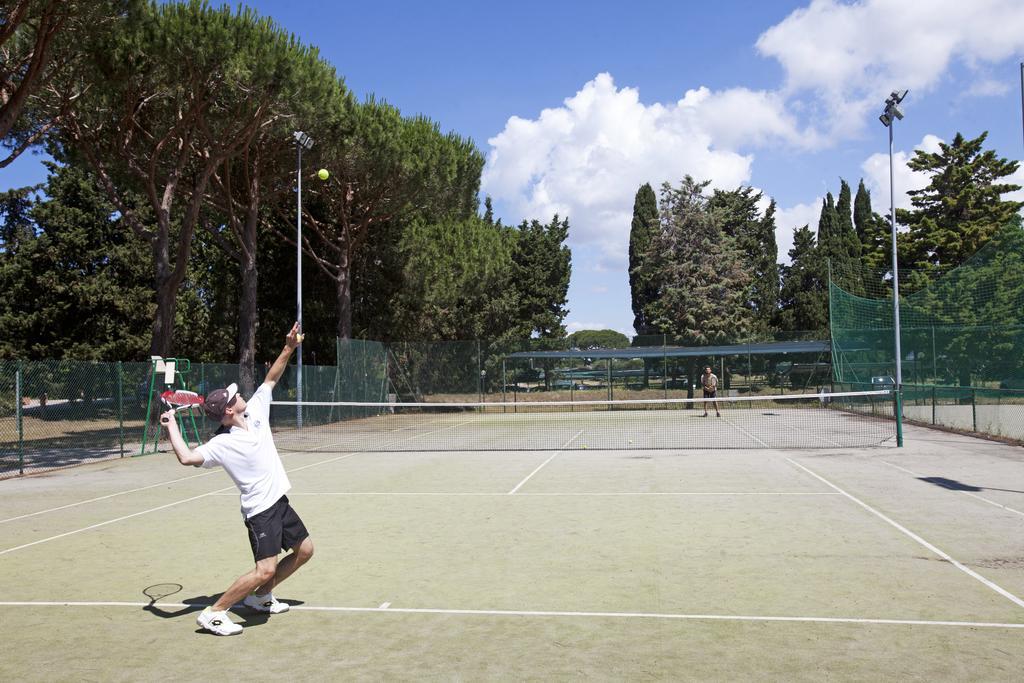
(19, 418)
(933, 404)
(898, 407)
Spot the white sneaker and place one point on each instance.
(265, 603)
(217, 622)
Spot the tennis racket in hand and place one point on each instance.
(180, 400)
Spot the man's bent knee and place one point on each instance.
(304, 550)
(265, 569)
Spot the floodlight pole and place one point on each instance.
(302, 141)
(888, 118)
(895, 272)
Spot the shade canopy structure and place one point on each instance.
(681, 351)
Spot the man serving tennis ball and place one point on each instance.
(244, 447)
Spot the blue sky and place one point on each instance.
(576, 103)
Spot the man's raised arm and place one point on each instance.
(291, 341)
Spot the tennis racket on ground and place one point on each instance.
(181, 400)
(160, 591)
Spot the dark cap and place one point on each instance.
(218, 400)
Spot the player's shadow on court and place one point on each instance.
(954, 485)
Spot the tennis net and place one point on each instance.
(824, 420)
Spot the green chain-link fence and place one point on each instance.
(961, 338)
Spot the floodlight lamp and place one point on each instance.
(884, 118)
(896, 112)
(898, 95)
(304, 140)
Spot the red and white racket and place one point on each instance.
(181, 400)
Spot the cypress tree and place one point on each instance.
(803, 302)
(644, 225)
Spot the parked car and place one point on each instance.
(879, 382)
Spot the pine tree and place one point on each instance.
(699, 273)
(962, 206)
(645, 224)
(77, 285)
(542, 265)
(737, 213)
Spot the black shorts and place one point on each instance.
(710, 393)
(275, 529)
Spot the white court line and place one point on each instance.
(109, 521)
(966, 493)
(119, 493)
(156, 509)
(967, 570)
(112, 495)
(557, 495)
(736, 426)
(560, 449)
(414, 436)
(541, 613)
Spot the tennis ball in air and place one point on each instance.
(323, 174)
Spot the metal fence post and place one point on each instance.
(933, 404)
(899, 418)
(18, 418)
(120, 405)
(974, 408)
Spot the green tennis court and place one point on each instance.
(606, 564)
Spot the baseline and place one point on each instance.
(388, 608)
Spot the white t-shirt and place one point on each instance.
(250, 457)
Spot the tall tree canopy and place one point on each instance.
(542, 265)
(697, 269)
(42, 46)
(173, 108)
(803, 299)
(598, 339)
(384, 169)
(962, 206)
(74, 280)
(873, 231)
(643, 227)
(737, 213)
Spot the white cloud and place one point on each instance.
(1016, 179)
(789, 219)
(987, 87)
(851, 55)
(587, 158)
(876, 176)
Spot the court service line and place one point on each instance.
(387, 608)
(560, 449)
(414, 436)
(966, 493)
(967, 570)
